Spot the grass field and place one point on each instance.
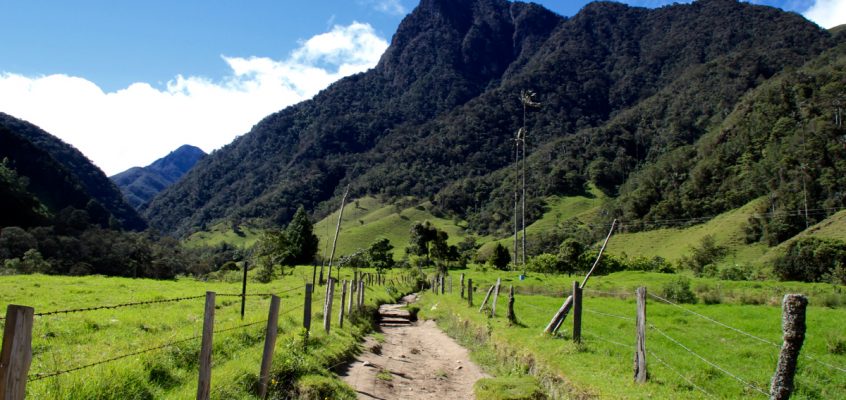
(365, 220)
(69, 340)
(602, 364)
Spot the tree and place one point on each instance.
(501, 257)
(380, 255)
(421, 236)
(301, 239)
(296, 245)
(570, 255)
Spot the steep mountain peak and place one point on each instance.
(140, 184)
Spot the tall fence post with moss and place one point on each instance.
(793, 325)
(16, 355)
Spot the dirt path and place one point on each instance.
(415, 361)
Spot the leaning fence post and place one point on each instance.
(640, 374)
(204, 381)
(16, 356)
(353, 284)
(327, 305)
(495, 297)
(577, 312)
(343, 303)
(793, 325)
(269, 345)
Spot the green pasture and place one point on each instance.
(69, 340)
(601, 365)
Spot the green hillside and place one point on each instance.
(368, 219)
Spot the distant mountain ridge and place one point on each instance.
(140, 184)
(61, 177)
(620, 88)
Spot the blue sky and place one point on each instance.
(128, 81)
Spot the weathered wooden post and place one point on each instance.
(327, 305)
(353, 284)
(16, 355)
(793, 326)
(244, 292)
(487, 296)
(577, 312)
(204, 380)
(360, 294)
(470, 292)
(510, 312)
(495, 297)
(269, 345)
(443, 285)
(343, 302)
(461, 283)
(307, 308)
(640, 374)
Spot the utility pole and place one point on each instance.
(527, 98)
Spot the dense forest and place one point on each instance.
(621, 90)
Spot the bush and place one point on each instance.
(703, 256)
(813, 259)
(678, 290)
(545, 263)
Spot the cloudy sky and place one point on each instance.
(127, 82)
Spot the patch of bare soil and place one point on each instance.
(416, 360)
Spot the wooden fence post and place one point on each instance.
(353, 284)
(360, 294)
(343, 303)
(443, 286)
(793, 326)
(510, 312)
(244, 292)
(577, 312)
(470, 292)
(16, 355)
(327, 305)
(487, 296)
(269, 345)
(307, 307)
(640, 374)
(495, 297)
(204, 381)
(461, 283)
(559, 316)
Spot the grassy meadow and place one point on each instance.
(601, 366)
(66, 341)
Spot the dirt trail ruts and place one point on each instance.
(415, 361)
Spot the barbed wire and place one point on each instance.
(707, 318)
(762, 340)
(114, 306)
(628, 346)
(615, 294)
(737, 378)
(609, 315)
(655, 356)
(40, 376)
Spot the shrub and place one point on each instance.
(545, 263)
(812, 259)
(678, 290)
(706, 254)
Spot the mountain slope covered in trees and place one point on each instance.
(59, 177)
(620, 88)
(140, 184)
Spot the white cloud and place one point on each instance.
(136, 125)
(392, 7)
(827, 13)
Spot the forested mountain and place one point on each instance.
(55, 177)
(621, 89)
(140, 184)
